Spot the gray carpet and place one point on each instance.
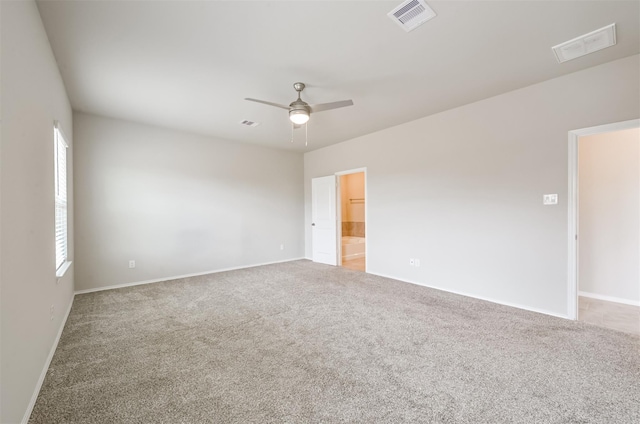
(301, 342)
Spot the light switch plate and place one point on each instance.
(550, 199)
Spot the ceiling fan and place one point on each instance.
(299, 110)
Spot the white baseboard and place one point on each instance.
(177, 277)
(43, 374)
(499, 302)
(609, 298)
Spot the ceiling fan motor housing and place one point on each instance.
(300, 105)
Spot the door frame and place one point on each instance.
(572, 206)
(339, 215)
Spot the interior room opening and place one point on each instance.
(609, 229)
(352, 221)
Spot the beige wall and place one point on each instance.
(179, 203)
(344, 198)
(352, 187)
(32, 96)
(609, 215)
(462, 190)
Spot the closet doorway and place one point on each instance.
(352, 231)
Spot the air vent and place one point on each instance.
(585, 44)
(411, 14)
(249, 123)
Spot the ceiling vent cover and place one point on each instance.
(411, 14)
(249, 123)
(585, 44)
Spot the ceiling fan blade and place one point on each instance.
(268, 103)
(333, 105)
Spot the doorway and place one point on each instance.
(339, 219)
(352, 221)
(604, 214)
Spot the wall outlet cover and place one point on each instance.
(550, 199)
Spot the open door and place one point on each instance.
(323, 220)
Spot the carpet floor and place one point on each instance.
(300, 342)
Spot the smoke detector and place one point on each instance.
(249, 123)
(585, 44)
(411, 14)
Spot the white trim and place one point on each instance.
(63, 269)
(339, 218)
(572, 206)
(43, 374)
(177, 277)
(473, 296)
(56, 125)
(352, 171)
(609, 298)
(572, 229)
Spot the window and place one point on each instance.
(60, 157)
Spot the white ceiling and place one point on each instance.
(189, 65)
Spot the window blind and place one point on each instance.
(60, 154)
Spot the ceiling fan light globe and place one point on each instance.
(299, 117)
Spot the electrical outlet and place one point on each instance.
(132, 264)
(282, 247)
(550, 199)
(52, 309)
(412, 261)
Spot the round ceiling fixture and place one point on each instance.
(299, 116)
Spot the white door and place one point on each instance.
(323, 220)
